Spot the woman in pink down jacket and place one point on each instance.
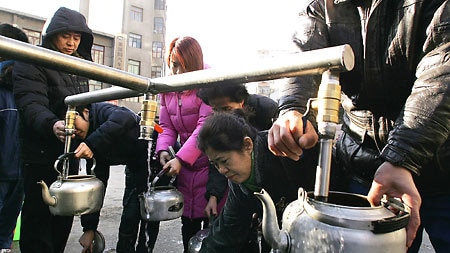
(181, 115)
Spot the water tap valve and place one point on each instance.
(148, 115)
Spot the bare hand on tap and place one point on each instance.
(59, 130)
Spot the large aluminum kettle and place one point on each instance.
(161, 203)
(345, 223)
(74, 194)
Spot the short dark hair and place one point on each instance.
(235, 92)
(225, 131)
(79, 109)
(13, 32)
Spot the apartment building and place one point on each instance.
(143, 38)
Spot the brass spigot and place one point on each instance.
(69, 128)
(327, 105)
(148, 115)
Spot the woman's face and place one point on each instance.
(234, 165)
(67, 42)
(175, 66)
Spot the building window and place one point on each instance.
(34, 37)
(136, 13)
(157, 49)
(158, 25)
(134, 40)
(160, 4)
(98, 54)
(134, 67)
(156, 72)
(94, 85)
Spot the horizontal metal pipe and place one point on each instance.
(29, 53)
(339, 58)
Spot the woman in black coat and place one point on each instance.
(241, 154)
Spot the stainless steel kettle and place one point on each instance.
(161, 203)
(74, 194)
(345, 223)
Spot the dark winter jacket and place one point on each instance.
(396, 99)
(40, 92)
(113, 137)
(10, 163)
(265, 111)
(280, 177)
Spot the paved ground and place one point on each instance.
(169, 239)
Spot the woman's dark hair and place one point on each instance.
(235, 92)
(225, 131)
(81, 108)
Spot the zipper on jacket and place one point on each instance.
(179, 100)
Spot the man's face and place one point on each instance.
(225, 104)
(82, 125)
(67, 42)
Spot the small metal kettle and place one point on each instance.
(161, 203)
(74, 194)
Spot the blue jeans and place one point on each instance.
(11, 197)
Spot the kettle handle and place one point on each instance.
(71, 154)
(396, 222)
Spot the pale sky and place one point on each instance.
(227, 30)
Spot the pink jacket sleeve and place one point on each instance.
(189, 152)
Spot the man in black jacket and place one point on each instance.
(39, 93)
(110, 134)
(396, 100)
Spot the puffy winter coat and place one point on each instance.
(398, 93)
(113, 137)
(10, 162)
(265, 111)
(181, 116)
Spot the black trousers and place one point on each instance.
(41, 232)
(190, 227)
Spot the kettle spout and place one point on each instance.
(277, 238)
(48, 199)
